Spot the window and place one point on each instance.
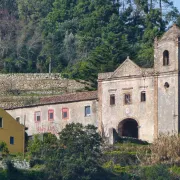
(50, 114)
(166, 85)
(11, 140)
(65, 113)
(37, 116)
(143, 96)
(1, 122)
(87, 111)
(18, 119)
(127, 99)
(112, 99)
(165, 58)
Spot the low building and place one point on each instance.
(53, 113)
(11, 132)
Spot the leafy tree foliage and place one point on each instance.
(80, 38)
(3, 148)
(74, 156)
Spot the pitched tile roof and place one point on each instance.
(64, 98)
(72, 97)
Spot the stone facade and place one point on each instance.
(146, 100)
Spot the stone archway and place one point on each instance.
(128, 127)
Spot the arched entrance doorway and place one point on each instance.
(128, 127)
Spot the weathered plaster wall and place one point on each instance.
(168, 104)
(76, 114)
(142, 112)
(168, 98)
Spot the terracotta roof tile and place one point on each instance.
(72, 97)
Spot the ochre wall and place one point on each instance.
(11, 128)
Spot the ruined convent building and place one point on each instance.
(143, 102)
(133, 101)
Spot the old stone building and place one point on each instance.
(133, 101)
(141, 102)
(53, 113)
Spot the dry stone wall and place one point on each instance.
(23, 89)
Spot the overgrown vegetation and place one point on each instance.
(165, 150)
(79, 153)
(4, 149)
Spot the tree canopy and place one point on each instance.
(75, 154)
(80, 38)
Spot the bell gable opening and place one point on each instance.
(165, 58)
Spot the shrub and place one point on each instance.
(40, 143)
(165, 149)
(175, 170)
(3, 148)
(132, 140)
(122, 158)
(158, 172)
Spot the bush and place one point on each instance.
(122, 158)
(40, 143)
(165, 149)
(36, 161)
(175, 170)
(3, 148)
(158, 172)
(132, 140)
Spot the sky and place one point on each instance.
(177, 4)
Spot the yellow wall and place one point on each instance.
(11, 128)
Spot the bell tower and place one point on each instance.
(166, 78)
(166, 51)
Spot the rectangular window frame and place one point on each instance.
(11, 140)
(112, 99)
(85, 111)
(125, 99)
(65, 110)
(143, 96)
(50, 111)
(35, 116)
(1, 119)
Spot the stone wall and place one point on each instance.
(19, 164)
(23, 89)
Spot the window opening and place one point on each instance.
(166, 85)
(1, 122)
(38, 116)
(51, 115)
(87, 111)
(143, 96)
(165, 58)
(127, 99)
(112, 99)
(18, 119)
(11, 140)
(65, 113)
